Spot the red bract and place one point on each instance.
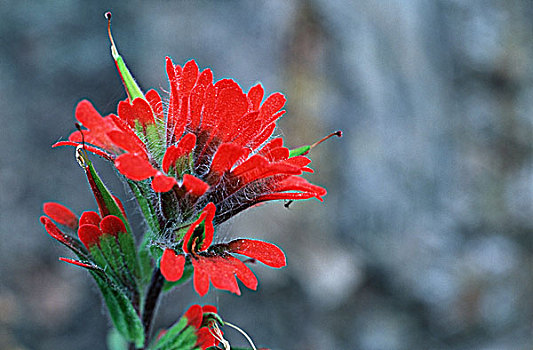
(90, 228)
(213, 143)
(215, 263)
(198, 317)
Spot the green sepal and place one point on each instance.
(99, 257)
(106, 202)
(181, 232)
(187, 274)
(178, 337)
(156, 252)
(146, 266)
(115, 341)
(111, 251)
(124, 317)
(146, 208)
(299, 151)
(132, 89)
(129, 252)
(157, 149)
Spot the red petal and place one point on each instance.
(163, 183)
(88, 148)
(96, 125)
(296, 183)
(205, 339)
(278, 168)
(273, 118)
(171, 72)
(173, 153)
(90, 217)
(133, 138)
(286, 195)
(61, 214)
(255, 96)
(198, 97)
(125, 112)
(89, 235)
(143, 111)
(120, 205)
(78, 263)
(209, 308)
(208, 115)
(277, 154)
(53, 231)
(127, 142)
(243, 273)
(194, 185)
(88, 116)
(231, 104)
(254, 163)
(226, 156)
(267, 253)
(222, 274)
(299, 161)
(134, 167)
(271, 105)
(194, 316)
(271, 145)
(201, 277)
(263, 136)
(112, 225)
(188, 77)
(155, 102)
(250, 127)
(172, 265)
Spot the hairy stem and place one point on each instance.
(150, 302)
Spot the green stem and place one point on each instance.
(150, 302)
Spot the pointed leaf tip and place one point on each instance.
(132, 89)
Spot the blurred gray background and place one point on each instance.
(425, 240)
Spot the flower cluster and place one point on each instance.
(212, 144)
(193, 159)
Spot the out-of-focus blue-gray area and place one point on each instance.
(425, 240)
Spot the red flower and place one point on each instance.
(91, 230)
(215, 263)
(199, 318)
(212, 144)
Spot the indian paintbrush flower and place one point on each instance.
(193, 160)
(214, 262)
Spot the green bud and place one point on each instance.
(303, 150)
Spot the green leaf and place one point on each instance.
(122, 313)
(171, 333)
(132, 89)
(145, 263)
(131, 86)
(146, 208)
(106, 202)
(129, 253)
(179, 337)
